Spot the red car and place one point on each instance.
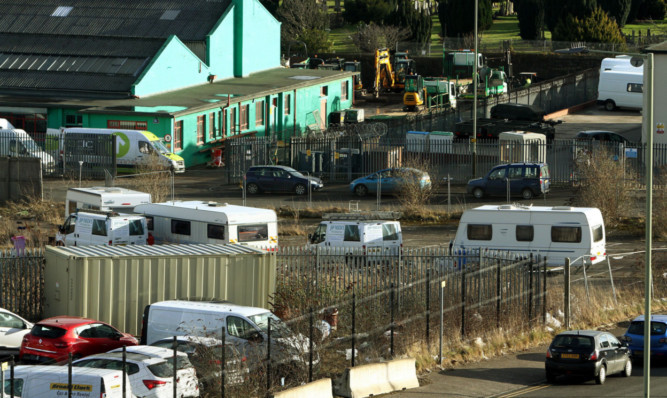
(52, 339)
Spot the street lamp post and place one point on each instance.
(474, 101)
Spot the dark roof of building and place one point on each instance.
(189, 20)
(657, 48)
(94, 48)
(197, 98)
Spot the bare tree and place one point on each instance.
(304, 20)
(371, 37)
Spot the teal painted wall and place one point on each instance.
(257, 38)
(174, 67)
(220, 46)
(309, 99)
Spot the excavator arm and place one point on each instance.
(384, 76)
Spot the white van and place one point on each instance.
(210, 222)
(367, 231)
(103, 228)
(133, 147)
(621, 89)
(116, 199)
(245, 327)
(619, 62)
(557, 232)
(17, 143)
(46, 381)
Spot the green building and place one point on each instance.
(195, 73)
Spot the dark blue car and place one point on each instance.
(279, 179)
(634, 336)
(524, 179)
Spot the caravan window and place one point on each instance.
(389, 232)
(250, 233)
(525, 233)
(352, 233)
(566, 234)
(635, 88)
(214, 231)
(136, 228)
(480, 231)
(180, 227)
(100, 227)
(598, 233)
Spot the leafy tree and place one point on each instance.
(617, 9)
(531, 18)
(595, 28)
(306, 21)
(457, 17)
(377, 11)
(557, 11)
(415, 16)
(271, 6)
(650, 10)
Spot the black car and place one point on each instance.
(279, 179)
(589, 354)
(525, 112)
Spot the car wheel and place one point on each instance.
(609, 105)
(527, 193)
(300, 189)
(360, 190)
(252, 188)
(550, 377)
(602, 375)
(478, 193)
(627, 370)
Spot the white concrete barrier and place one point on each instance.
(316, 389)
(377, 378)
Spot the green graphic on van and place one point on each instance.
(123, 144)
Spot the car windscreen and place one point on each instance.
(657, 328)
(49, 332)
(573, 342)
(278, 328)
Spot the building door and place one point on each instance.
(323, 114)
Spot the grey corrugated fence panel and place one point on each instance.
(22, 282)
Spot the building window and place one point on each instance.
(178, 135)
(233, 122)
(324, 91)
(343, 90)
(201, 127)
(127, 125)
(73, 121)
(259, 113)
(180, 227)
(525, 233)
(480, 231)
(211, 125)
(288, 103)
(243, 122)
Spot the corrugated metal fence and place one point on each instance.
(22, 283)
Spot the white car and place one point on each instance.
(12, 330)
(151, 374)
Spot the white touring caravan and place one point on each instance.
(557, 232)
(621, 88)
(133, 147)
(92, 227)
(46, 381)
(210, 222)
(121, 200)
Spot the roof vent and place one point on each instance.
(213, 204)
(62, 11)
(506, 207)
(170, 15)
(562, 208)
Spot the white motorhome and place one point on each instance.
(17, 143)
(621, 89)
(371, 231)
(210, 222)
(133, 147)
(47, 381)
(103, 228)
(557, 232)
(121, 200)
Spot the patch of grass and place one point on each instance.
(658, 27)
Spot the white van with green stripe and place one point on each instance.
(133, 148)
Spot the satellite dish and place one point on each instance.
(636, 61)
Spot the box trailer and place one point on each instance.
(522, 146)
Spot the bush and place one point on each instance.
(531, 19)
(596, 28)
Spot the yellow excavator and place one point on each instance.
(384, 75)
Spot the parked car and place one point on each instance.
(205, 353)
(634, 336)
(52, 339)
(601, 135)
(511, 111)
(391, 181)
(12, 330)
(279, 179)
(525, 179)
(588, 354)
(151, 371)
